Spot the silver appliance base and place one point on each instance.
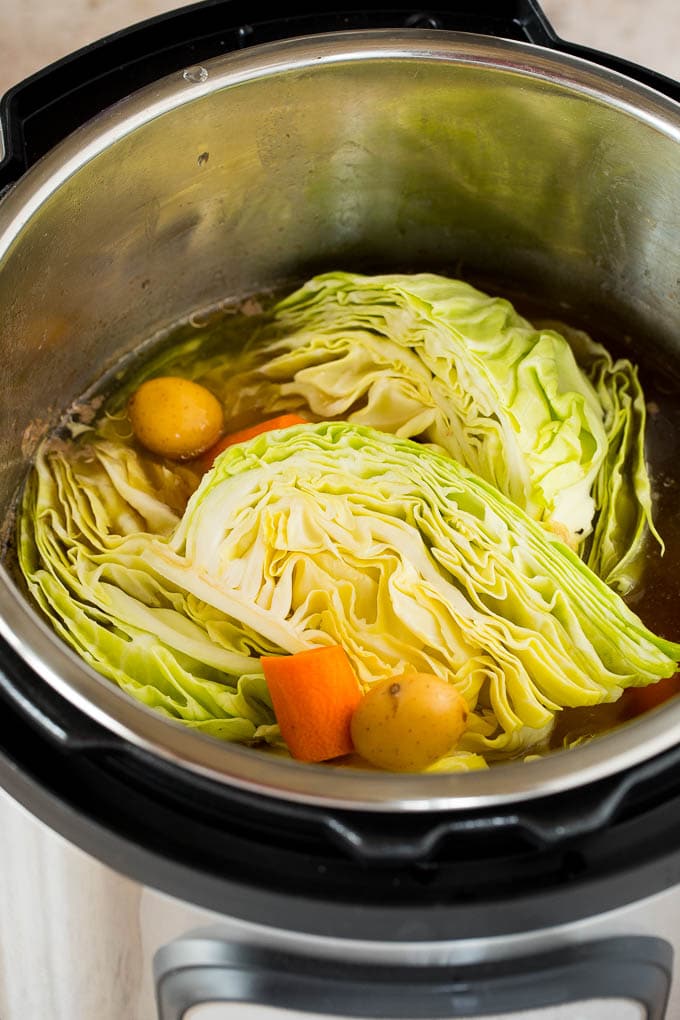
(78, 940)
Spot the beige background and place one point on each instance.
(35, 32)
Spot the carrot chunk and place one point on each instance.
(641, 699)
(283, 421)
(314, 695)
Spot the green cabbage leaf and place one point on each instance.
(622, 487)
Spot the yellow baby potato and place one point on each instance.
(175, 417)
(406, 723)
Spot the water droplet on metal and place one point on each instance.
(195, 74)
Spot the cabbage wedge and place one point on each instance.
(89, 512)
(430, 357)
(337, 533)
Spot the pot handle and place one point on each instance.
(201, 969)
(43, 109)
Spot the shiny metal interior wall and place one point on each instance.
(377, 150)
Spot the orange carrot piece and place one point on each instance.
(641, 699)
(283, 421)
(314, 695)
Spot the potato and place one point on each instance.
(175, 417)
(405, 723)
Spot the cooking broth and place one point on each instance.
(231, 328)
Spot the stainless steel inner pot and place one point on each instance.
(379, 149)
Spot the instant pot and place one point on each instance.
(147, 871)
